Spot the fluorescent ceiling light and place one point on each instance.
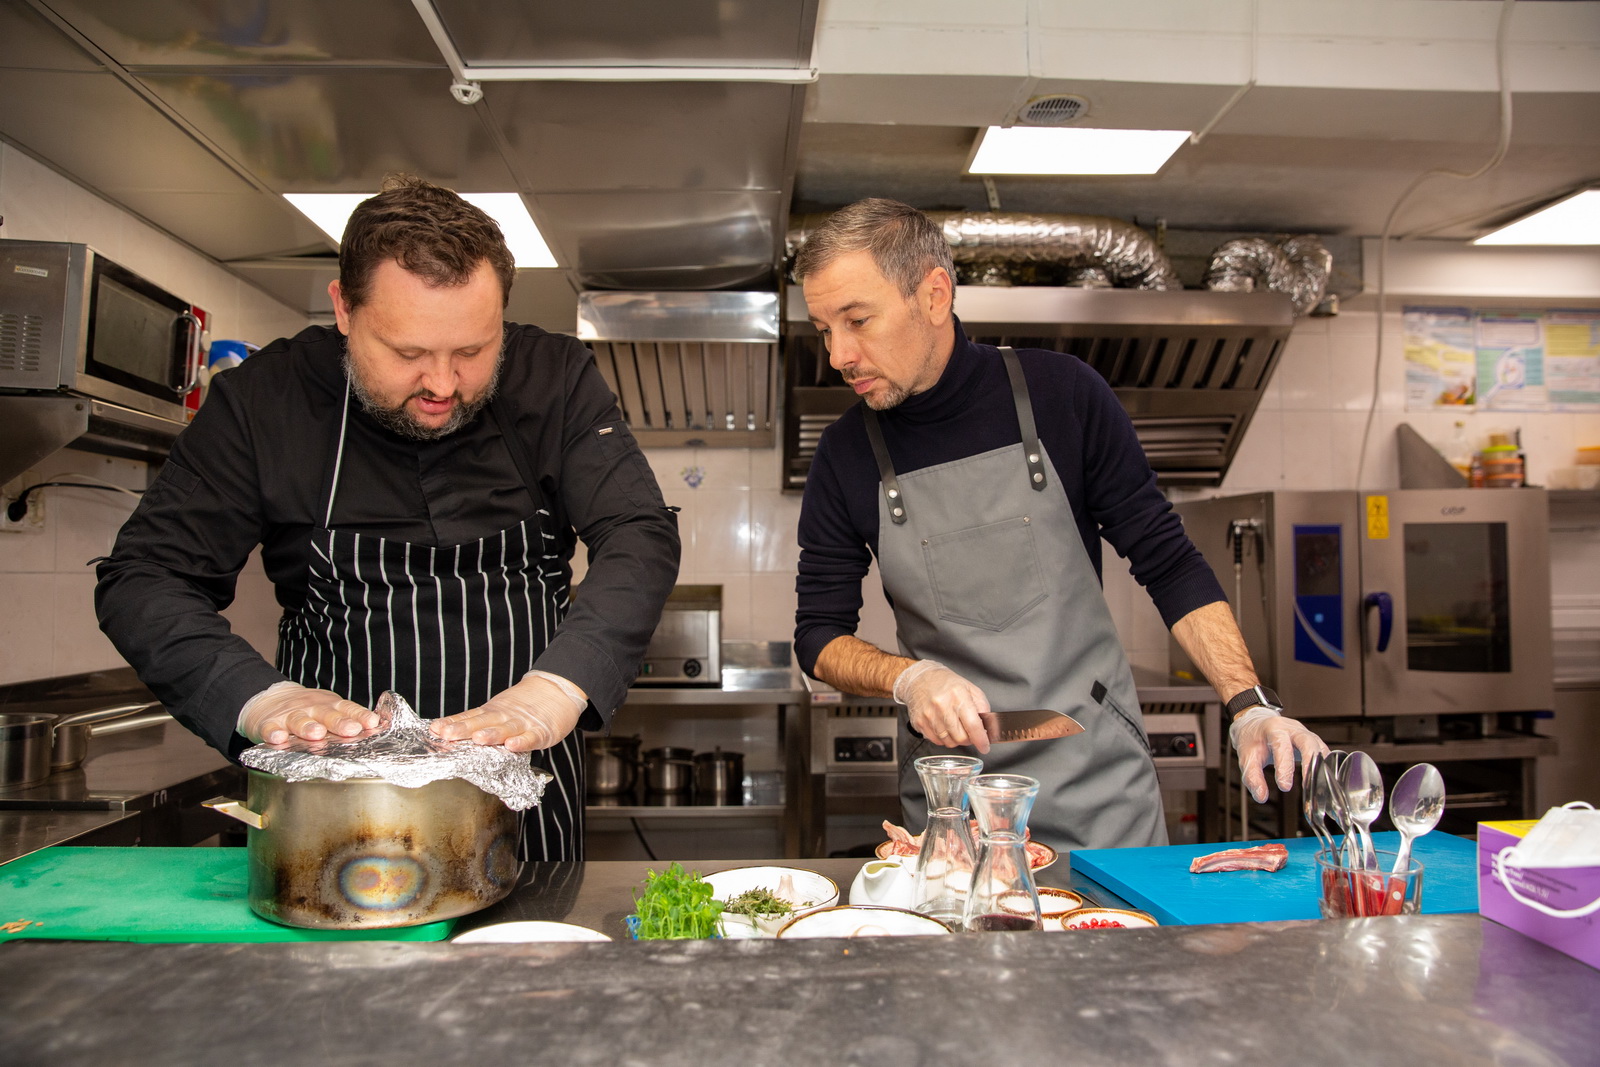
(1573, 221)
(330, 211)
(1072, 150)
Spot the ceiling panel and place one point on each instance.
(206, 33)
(339, 131)
(579, 136)
(742, 33)
(29, 40)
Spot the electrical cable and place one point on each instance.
(17, 510)
(639, 832)
(1502, 144)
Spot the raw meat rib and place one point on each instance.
(1257, 858)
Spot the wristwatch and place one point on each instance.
(1249, 698)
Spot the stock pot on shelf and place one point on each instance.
(366, 853)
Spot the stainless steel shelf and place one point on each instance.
(678, 812)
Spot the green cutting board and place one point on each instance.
(153, 894)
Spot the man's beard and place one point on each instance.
(398, 420)
(893, 397)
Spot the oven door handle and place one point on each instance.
(1385, 605)
(191, 358)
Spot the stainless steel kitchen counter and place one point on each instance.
(22, 832)
(1428, 989)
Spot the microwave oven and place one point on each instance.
(73, 321)
(1399, 603)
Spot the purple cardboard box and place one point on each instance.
(1563, 889)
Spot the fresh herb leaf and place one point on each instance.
(676, 904)
(759, 902)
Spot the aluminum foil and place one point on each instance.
(1298, 266)
(989, 247)
(405, 752)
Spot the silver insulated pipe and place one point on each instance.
(1298, 266)
(993, 248)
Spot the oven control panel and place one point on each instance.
(863, 749)
(1175, 740)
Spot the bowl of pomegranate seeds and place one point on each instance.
(1106, 919)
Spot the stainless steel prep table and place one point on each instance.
(1428, 989)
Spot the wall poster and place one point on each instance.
(1491, 360)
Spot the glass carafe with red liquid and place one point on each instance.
(947, 858)
(1003, 896)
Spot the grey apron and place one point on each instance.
(989, 576)
(446, 628)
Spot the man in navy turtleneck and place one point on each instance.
(992, 592)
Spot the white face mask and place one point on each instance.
(1566, 837)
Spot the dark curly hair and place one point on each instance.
(431, 231)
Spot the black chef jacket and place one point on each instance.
(252, 469)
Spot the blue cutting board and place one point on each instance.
(1157, 880)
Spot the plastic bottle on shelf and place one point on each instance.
(1458, 451)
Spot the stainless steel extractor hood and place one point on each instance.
(1189, 366)
(688, 368)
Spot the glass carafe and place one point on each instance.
(1003, 896)
(947, 858)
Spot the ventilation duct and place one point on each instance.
(1189, 366)
(1298, 266)
(688, 368)
(999, 248)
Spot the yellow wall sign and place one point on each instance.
(1377, 518)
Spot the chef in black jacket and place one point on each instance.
(417, 480)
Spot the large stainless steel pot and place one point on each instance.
(24, 749)
(719, 776)
(668, 769)
(612, 764)
(366, 853)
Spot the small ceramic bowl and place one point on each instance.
(857, 921)
(1106, 919)
(1055, 904)
(1040, 855)
(810, 892)
(506, 933)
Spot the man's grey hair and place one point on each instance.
(905, 243)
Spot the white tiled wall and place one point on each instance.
(47, 624)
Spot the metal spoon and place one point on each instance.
(1415, 806)
(1330, 798)
(1363, 794)
(1316, 815)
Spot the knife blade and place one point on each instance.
(1036, 725)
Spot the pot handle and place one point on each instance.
(84, 718)
(237, 810)
(133, 722)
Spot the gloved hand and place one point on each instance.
(287, 710)
(535, 713)
(1262, 736)
(942, 706)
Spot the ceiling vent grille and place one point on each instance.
(1057, 109)
(688, 368)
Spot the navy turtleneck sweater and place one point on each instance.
(1083, 427)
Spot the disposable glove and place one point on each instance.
(287, 710)
(1261, 736)
(942, 706)
(535, 713)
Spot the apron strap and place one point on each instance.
(1030, 433)
(891, 484)
(330, 476)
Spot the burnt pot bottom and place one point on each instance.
(367, 854)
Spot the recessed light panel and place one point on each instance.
(1073, 150)
(1573, 221)
(330, 211)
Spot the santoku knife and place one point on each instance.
(1038, 725)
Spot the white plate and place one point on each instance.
(506, 933)
(813, 890)
(857, 921)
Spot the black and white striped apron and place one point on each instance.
(446, 628)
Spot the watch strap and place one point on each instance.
(1249, 698)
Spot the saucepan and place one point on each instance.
(366, 853)
(612, 764)
(35, 746)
